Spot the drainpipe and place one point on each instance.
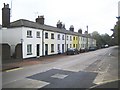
(43, 42)
(65, 42)
(87, 37)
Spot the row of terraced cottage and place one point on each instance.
(26, 39)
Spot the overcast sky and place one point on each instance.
(99, 15)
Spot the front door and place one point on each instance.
(46, 49)
(62, 48)
(38, 49)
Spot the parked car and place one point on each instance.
(106, 46)
(82, 50)
(92, 48)
(72, 51)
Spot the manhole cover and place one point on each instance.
(59, 76)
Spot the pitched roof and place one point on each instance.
(31, 24)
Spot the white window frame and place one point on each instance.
(52, 36)
(63, 37)
(52, 47)
(70, 38)
(67, 37)
(46, 35)
(58, 47)
(29, 49)
(58, 36)
(29, 34)
(38, 34)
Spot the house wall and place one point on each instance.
(68, 41)
(61, 41)
(54, 41)
(80, 42)
(49, 41)
(34, 41)
(75, 41)
(12, 36)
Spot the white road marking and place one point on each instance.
(104, 82)
(100, 77)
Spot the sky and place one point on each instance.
(99, 15)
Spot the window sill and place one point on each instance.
(38, 37)
(29, 36)
(29, 53)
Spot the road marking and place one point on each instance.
(104, 82)
(107, 81)
(13, 69)
(101, 75)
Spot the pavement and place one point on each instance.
(17, 63)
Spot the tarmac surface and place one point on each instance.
(84, 70)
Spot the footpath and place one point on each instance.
(16, 63)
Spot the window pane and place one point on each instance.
(52, 47)
(29, 34)
(29, 49)
(38, 34)
(52, 36)
(63, 37)
(46, 35)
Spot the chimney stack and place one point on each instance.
(71, 28)
(63, 26)
(6, 16)
(86, 32)
(59, 24)
(40, 20)
(80, 31)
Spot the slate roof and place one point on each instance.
(31, 24)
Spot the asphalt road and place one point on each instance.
(84, 70)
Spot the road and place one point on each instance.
(83, 70)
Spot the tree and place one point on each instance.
(102, 40)
(106, 39)
(98, 38)
(116, 32)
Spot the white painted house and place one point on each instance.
(69, 41)
(29, 38)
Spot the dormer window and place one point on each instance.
(29, 34)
